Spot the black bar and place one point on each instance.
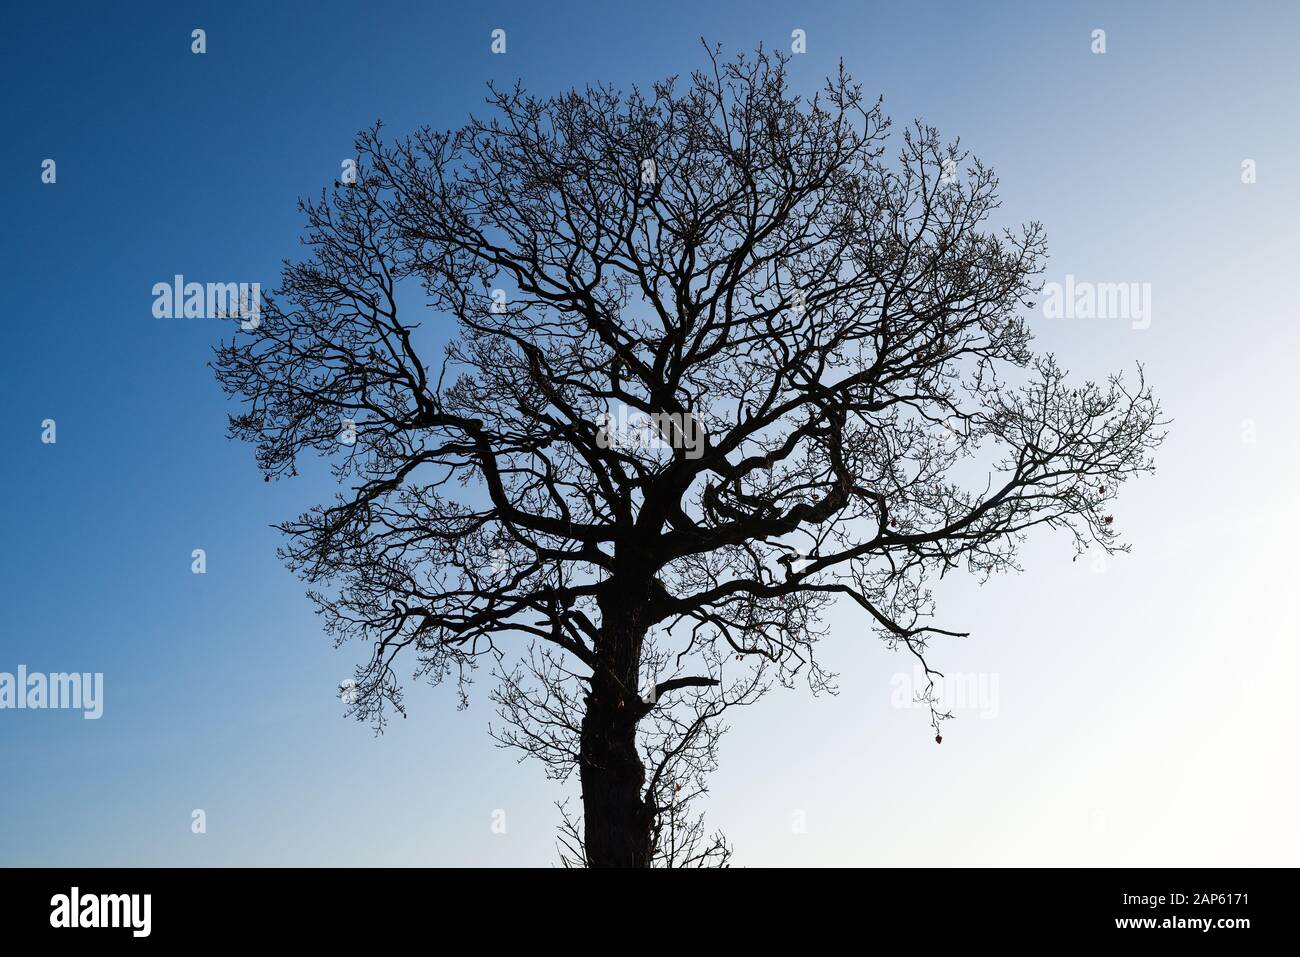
(348, 908)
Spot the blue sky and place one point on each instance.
(1142, 710)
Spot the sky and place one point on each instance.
(1132, 712)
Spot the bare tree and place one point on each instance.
(820, 346)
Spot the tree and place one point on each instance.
(831, 392)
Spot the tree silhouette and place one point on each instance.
(822, 352)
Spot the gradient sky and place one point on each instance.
(1142, 715)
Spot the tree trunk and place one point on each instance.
(617, 822)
